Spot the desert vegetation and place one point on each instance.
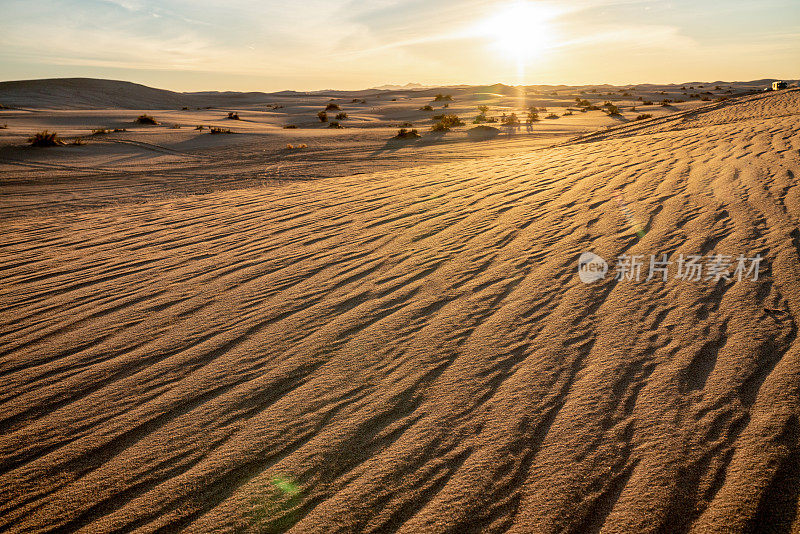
(407, 134)
(334, 124)
(217, 130)
(341, 116)
(446, 122)
(146, 119)
(322, 116)
(45, 139)
(332, 107)
(233, 115)
(426, 107)
(442, 98)
(643, 116)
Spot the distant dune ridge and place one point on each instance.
(90, 93)
(406, 350)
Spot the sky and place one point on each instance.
(271, 45)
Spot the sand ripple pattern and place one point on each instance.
(414, 351)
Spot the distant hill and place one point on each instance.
(91, 93)
(88, 93)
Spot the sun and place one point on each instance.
(521, 31)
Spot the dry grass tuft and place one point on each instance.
(45, 139)
(146, 119)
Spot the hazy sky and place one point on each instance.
(319, 44)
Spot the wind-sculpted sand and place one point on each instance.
(412, 350)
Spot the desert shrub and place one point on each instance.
(77, 142)
(440, 97)
(532, 117)
(332, 107)
(483, 110)
(358, 101)
(722, 99)
(612, 109)
(567, 114)
(647, 103)
(639, 99)
(334, 124)
(146, 119)
(289, 126)
(407, 134)
(120, 130)
(665, 103)
(175, 127)
(3, 126)
(426, 107)
(543, 110)
(45, 139)
(341, 116)
(446, 106)
(199, 127)
(643, 116)
(405, 125)
(626, 94)
(100, 131)
(438, 117)
(185, 108)
(592, 108)
(718, 88)
(583, 103)
(290, 146)
(510, 120)
(552, 116)
(480, 119)
(218, 130)
(705, 99)
(445, 122)
(322, 116)
(233, 115)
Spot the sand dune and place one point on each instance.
(411, 350)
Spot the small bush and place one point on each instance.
(199, 127)
(217, 130)
(483, 110)
(334, 124)
(426, 107)
(45, 139)
(120, 130)
(643, 116)
(532, 117)
(612, 109)
(322, 116)
(100, 131)
(440, 97)
(175, 127)
(445, 122)
(77, 142)
(647, 103)
(185, 108)
(552, 116)
(233, 115)
(405, 125)
(289, 126)
(567, 114)
(341, 116)
(332, 107)
(510, 120)
(407, 134)
(146, 119)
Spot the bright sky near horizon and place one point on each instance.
(269, 45)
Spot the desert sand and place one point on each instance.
(216, 333)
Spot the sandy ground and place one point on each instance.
(403, 343)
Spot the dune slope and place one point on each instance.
(413, 351)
